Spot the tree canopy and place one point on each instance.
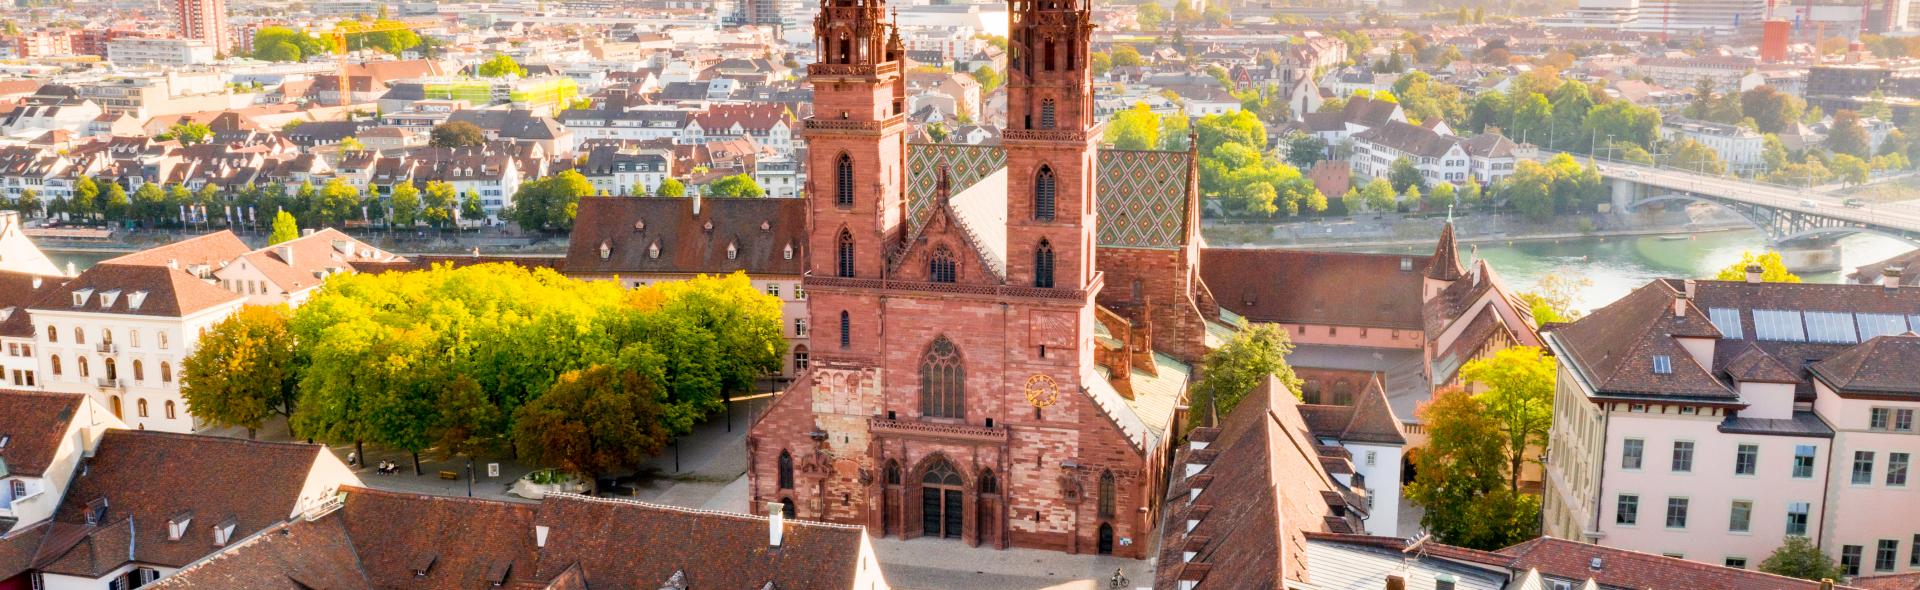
(455, 134)
(285, 228)
(500, 66)
(242, 372)
(1243, 363)
(550, 203)
(1518, 395)
(1772, 268)
(1799, 558)
(1460, 477)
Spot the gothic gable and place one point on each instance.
(966, 165)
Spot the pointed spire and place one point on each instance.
(1445, 265)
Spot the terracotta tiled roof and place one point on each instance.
(18, 291)
(1617, 348)
(643, 235)
(304, 262)
(35, 425)
(1262, 488)
(599, 536)
(17, 548)
(301, 555)
(199, 477)
(1369, 112)
(1885, 365)
(436, 542)
(1369, 420)
(1620, 568)
(1906, 581)
(1445, 263)
(1409, 138)
(1754, 365)
(1312, 287)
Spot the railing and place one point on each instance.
(107, 348)
(112, 383)
(937, 429)
(1043, 135)
(820, 124)
(991, 290)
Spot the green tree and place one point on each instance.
(1687, 154)
(406, 204)
(1551, 301)
(1849, 169)
(1772, 110)
(285, 228)
(1532, 119)
(550, 203)
(1305, 149)
(117, 205)
(242, 372)
(1461, 481)
(1847, 136)
(1125, 56)
(438, 203)
(1404, 175)
(671, 188)
(1444, 195)
(352, 144)
(1490, 109)
(1518, 394)
(500, 66)
(1100, 63)
(1136, 128)
(988, 78)
(1772, 268)
(1412, 196)
(1773, 151)
(1352, 201)
(85, 190)
(1379, 195)
(1253, 355)
(471, 208)
(1798, 558)
(188, 133)
(457, 134)
(338, 203)
(149, 203)
(738, 185)
(1571, 103)
(29, 203)
(1623, 121)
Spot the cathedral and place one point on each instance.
(1003, 336)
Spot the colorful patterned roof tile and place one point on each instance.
(1142, 198)
(966, 165)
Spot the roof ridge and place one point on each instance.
(117, 432)
(683, 510)
(368, 491)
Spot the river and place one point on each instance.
(1617, 265)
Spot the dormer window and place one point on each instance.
(177, 526)
(223, 532)
(786, 253)
(96, 511)
(1662, 365)
(653, 250)
(606, 250)
(108, 297)
(733, 251)
(80, 296)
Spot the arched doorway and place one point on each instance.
(987, 517)
(941, 501)
(889, 502)
(1106, 538)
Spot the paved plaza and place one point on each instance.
(709, 472)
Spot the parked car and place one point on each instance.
(1808, 203)
(1855, 203)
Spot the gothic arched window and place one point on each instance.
(1047, 114)
(989, 485)
(941, 267)
(1043, 265)
(786, 470)
(843, 181)
(893, 472)
(846, 330)
(943, 381)
(1106, 494)
(845, 252)
(1045, 187)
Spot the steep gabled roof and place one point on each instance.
(664, 235)
(1620, 568)
(1445, 263)
(1753, 365)
(35, 425)
(1616, 347)
(1885, 365)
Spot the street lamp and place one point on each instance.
(469, 477)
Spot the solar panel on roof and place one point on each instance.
(1880, 324)
(1832, 327)
(1773, 324)
(1727, 320)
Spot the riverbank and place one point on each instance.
(1392, 231)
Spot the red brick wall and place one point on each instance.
(1166, 296)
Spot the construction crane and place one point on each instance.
(346, 29)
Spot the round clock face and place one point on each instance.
(1042, 390)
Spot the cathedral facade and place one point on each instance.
(1002, 335)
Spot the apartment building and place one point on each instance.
(1709, 419)
(119, 331)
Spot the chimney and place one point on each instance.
(1688, 286)
(1753, 273)
(776, 522)
(696, 203)
(539, 536)
(1680, 305)
(1396, 583)
(1890, 277)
